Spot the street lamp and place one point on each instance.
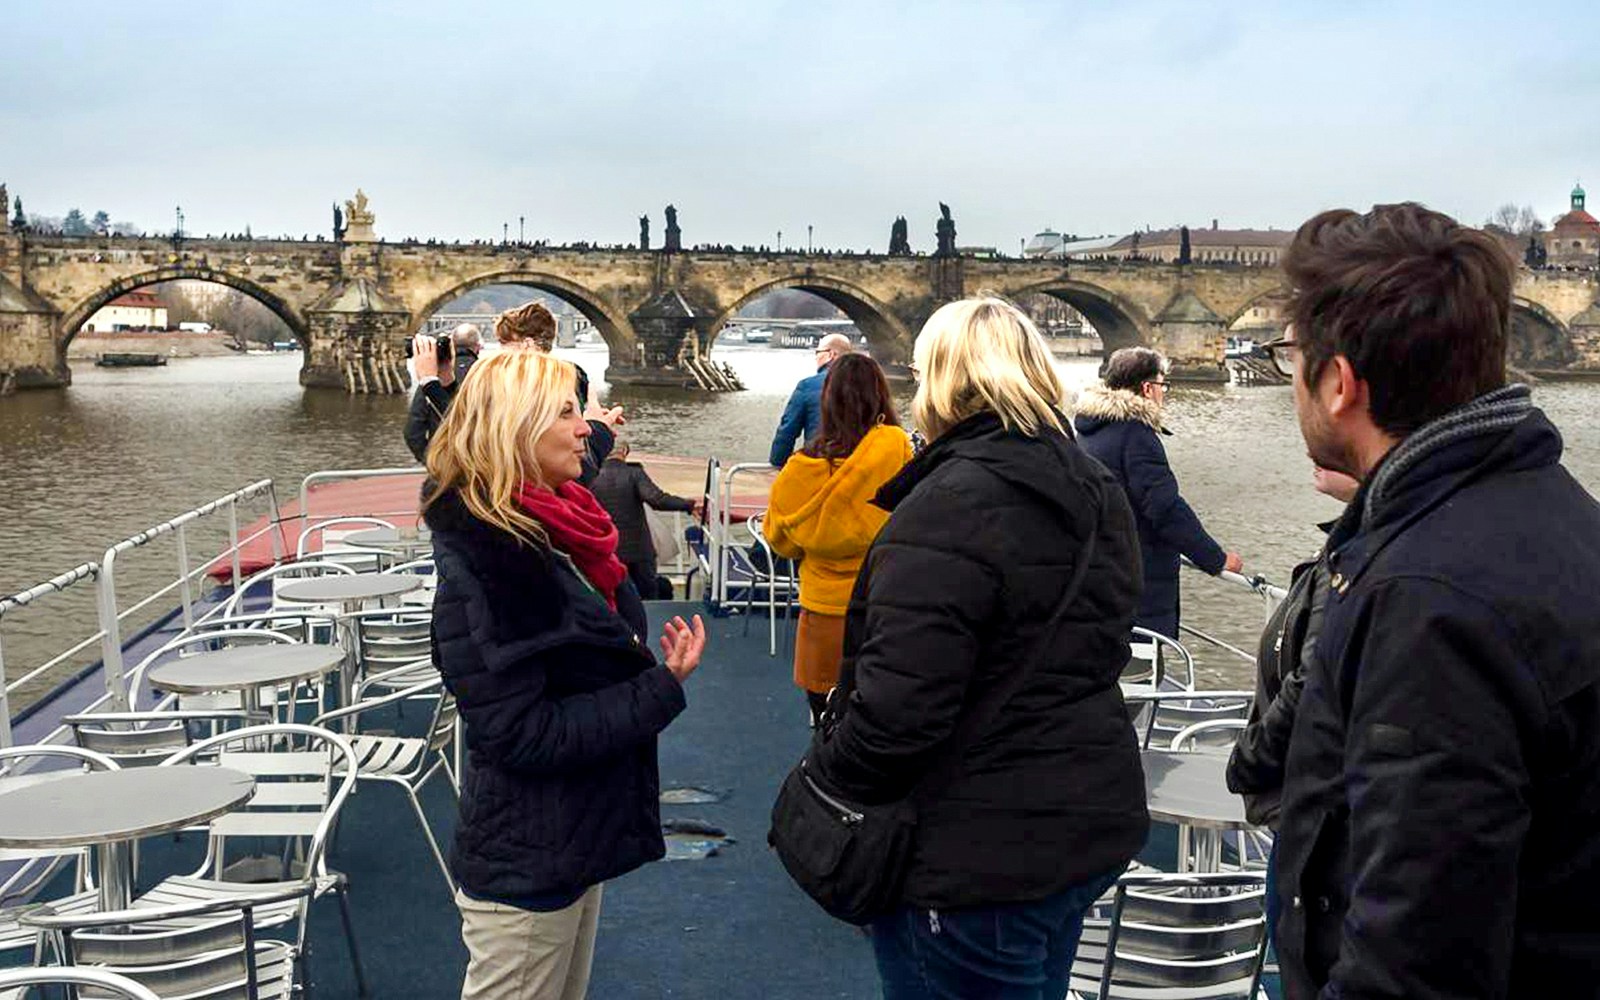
(505, 232)
(522, 236)
(780, 241)
(808, 237)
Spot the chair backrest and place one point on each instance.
(1188, 718)
(19, 767)
(91, 982)
(303, 776)
(1154, 659)
(442, 730)
(1177, 936)
(253, 589)
(299, 625)
(390, 637)
(332, 533)
(197, 951)
(1212, 734)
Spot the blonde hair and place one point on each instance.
(483, 449)
(984, 354)
(530, 325)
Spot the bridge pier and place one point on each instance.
(31, 353)
(1193, 338)
(358, 337)
(667, 328)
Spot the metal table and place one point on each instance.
(406, 543)
(1191, 790)
(351, 593)
(107, 810)
(246, 669)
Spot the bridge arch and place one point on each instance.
(1537, 340)
(74, 319)
(613, 326)
(1279, 293)
(888, 337)
(1119, 322)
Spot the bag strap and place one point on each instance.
(974, 721)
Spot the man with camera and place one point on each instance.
(439, 364)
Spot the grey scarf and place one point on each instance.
(1491, 413)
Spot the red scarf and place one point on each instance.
(580, 527)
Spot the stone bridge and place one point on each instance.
(353, 304)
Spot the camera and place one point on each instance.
(443, 349)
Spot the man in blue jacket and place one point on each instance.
(1440, 827)
(802, 417)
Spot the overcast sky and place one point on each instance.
(1092, 117)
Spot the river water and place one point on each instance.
(124, 449)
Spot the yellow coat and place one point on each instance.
(820, 513)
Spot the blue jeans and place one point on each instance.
(1008, 951)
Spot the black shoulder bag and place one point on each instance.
(852, 859)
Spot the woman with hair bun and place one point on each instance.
(532, 326)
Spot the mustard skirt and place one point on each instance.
(818, 648)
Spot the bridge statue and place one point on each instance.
(338, 223)
(1535, 256)
(899, 245)
(644, 232)
(359, 219)
(674, 240)
(945, 229)
(19, 222)
(5, 203)
(1185, 254)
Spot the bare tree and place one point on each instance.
(1519, 221)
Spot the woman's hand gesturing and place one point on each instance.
(681, 646)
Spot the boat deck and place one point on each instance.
(727, 925)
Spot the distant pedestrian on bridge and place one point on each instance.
(437, 383)
(802, 417)
(1119, 423)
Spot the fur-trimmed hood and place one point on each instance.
(1098, 405)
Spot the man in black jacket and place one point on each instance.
(436, 383)
(624, 489)
(1440, 826)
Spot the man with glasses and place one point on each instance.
(1119, 423)
(1440, 825)
(802, 417)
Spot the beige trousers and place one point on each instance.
(516, 954)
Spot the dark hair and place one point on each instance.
(855, 399)
(1131, 367)
(1418, 303)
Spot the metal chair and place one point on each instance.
(771, 581)
(409, 762)
(1160, 936)
(36, 867)
(1185, 716)
(15, 983)
(303, 775)
(140, 739)
(272, 577)
(193, 951)
(332, 532)
(387, 638)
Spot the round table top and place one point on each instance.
(348, 587)
(244, 667)
(100, 807)
(1191, 788)
(390, 539)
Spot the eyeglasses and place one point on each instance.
(1163, 383)
(1285, 354)
(916, 373)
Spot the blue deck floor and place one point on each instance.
(731, 925)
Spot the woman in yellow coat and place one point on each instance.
(821, 513)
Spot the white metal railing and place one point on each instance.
(54, 585)
(108, 611)
(1271, 596)
(722, 498)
